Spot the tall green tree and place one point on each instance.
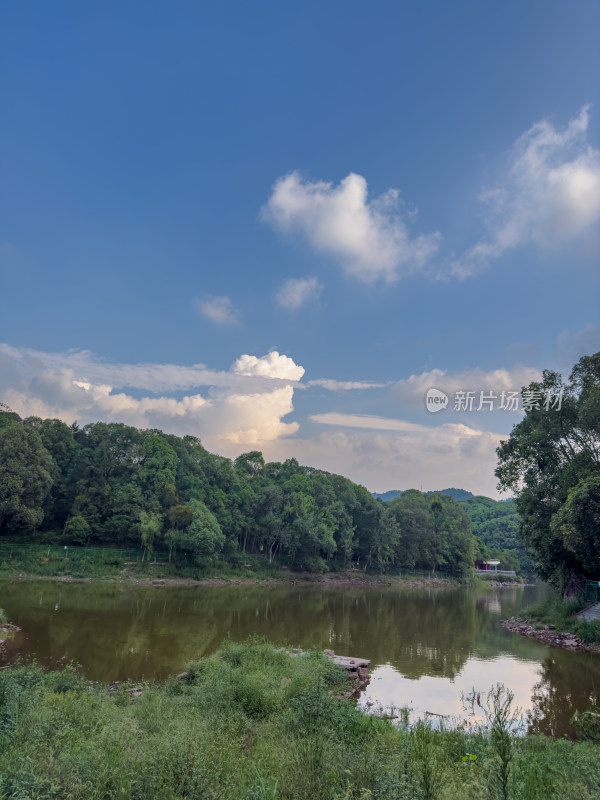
(26, 469)
(552, 463)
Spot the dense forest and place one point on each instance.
(114, 485)
(495, 525)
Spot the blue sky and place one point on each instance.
(426, 174)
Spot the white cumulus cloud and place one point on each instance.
(552, 194)
(273, 365)
(369, 237)
(218, 309)
(295, 292)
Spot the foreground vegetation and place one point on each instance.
(252, 722)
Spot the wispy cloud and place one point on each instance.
(152, 377)
(345, 386)
(218, 309)
(371, 422)
(295, 292)
(370, 237)
(551, 195)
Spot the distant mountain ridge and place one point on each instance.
(457, 494)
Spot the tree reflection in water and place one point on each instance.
(561, 691)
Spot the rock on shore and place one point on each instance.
(547, 635)
(357, 670)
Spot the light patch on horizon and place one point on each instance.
(409, 456)
(551, 196)
(296, 292)
(387, 453)
(218, 309)
(369, 237)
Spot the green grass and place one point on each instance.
(499, 578)
(110, 563)
(484, 583)
(562, 614)
(251, 723)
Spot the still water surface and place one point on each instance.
(426, 647)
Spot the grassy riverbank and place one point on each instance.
(561, 616)
(492, 581)
(122, 566)
(251, 722)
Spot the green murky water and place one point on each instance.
(427, 647)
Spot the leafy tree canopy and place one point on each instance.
(552, 463)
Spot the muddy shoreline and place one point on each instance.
(341, 580)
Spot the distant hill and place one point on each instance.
(457, 494)
(387, 496)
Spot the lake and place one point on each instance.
(427, 647)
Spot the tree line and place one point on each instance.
(115, 485)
